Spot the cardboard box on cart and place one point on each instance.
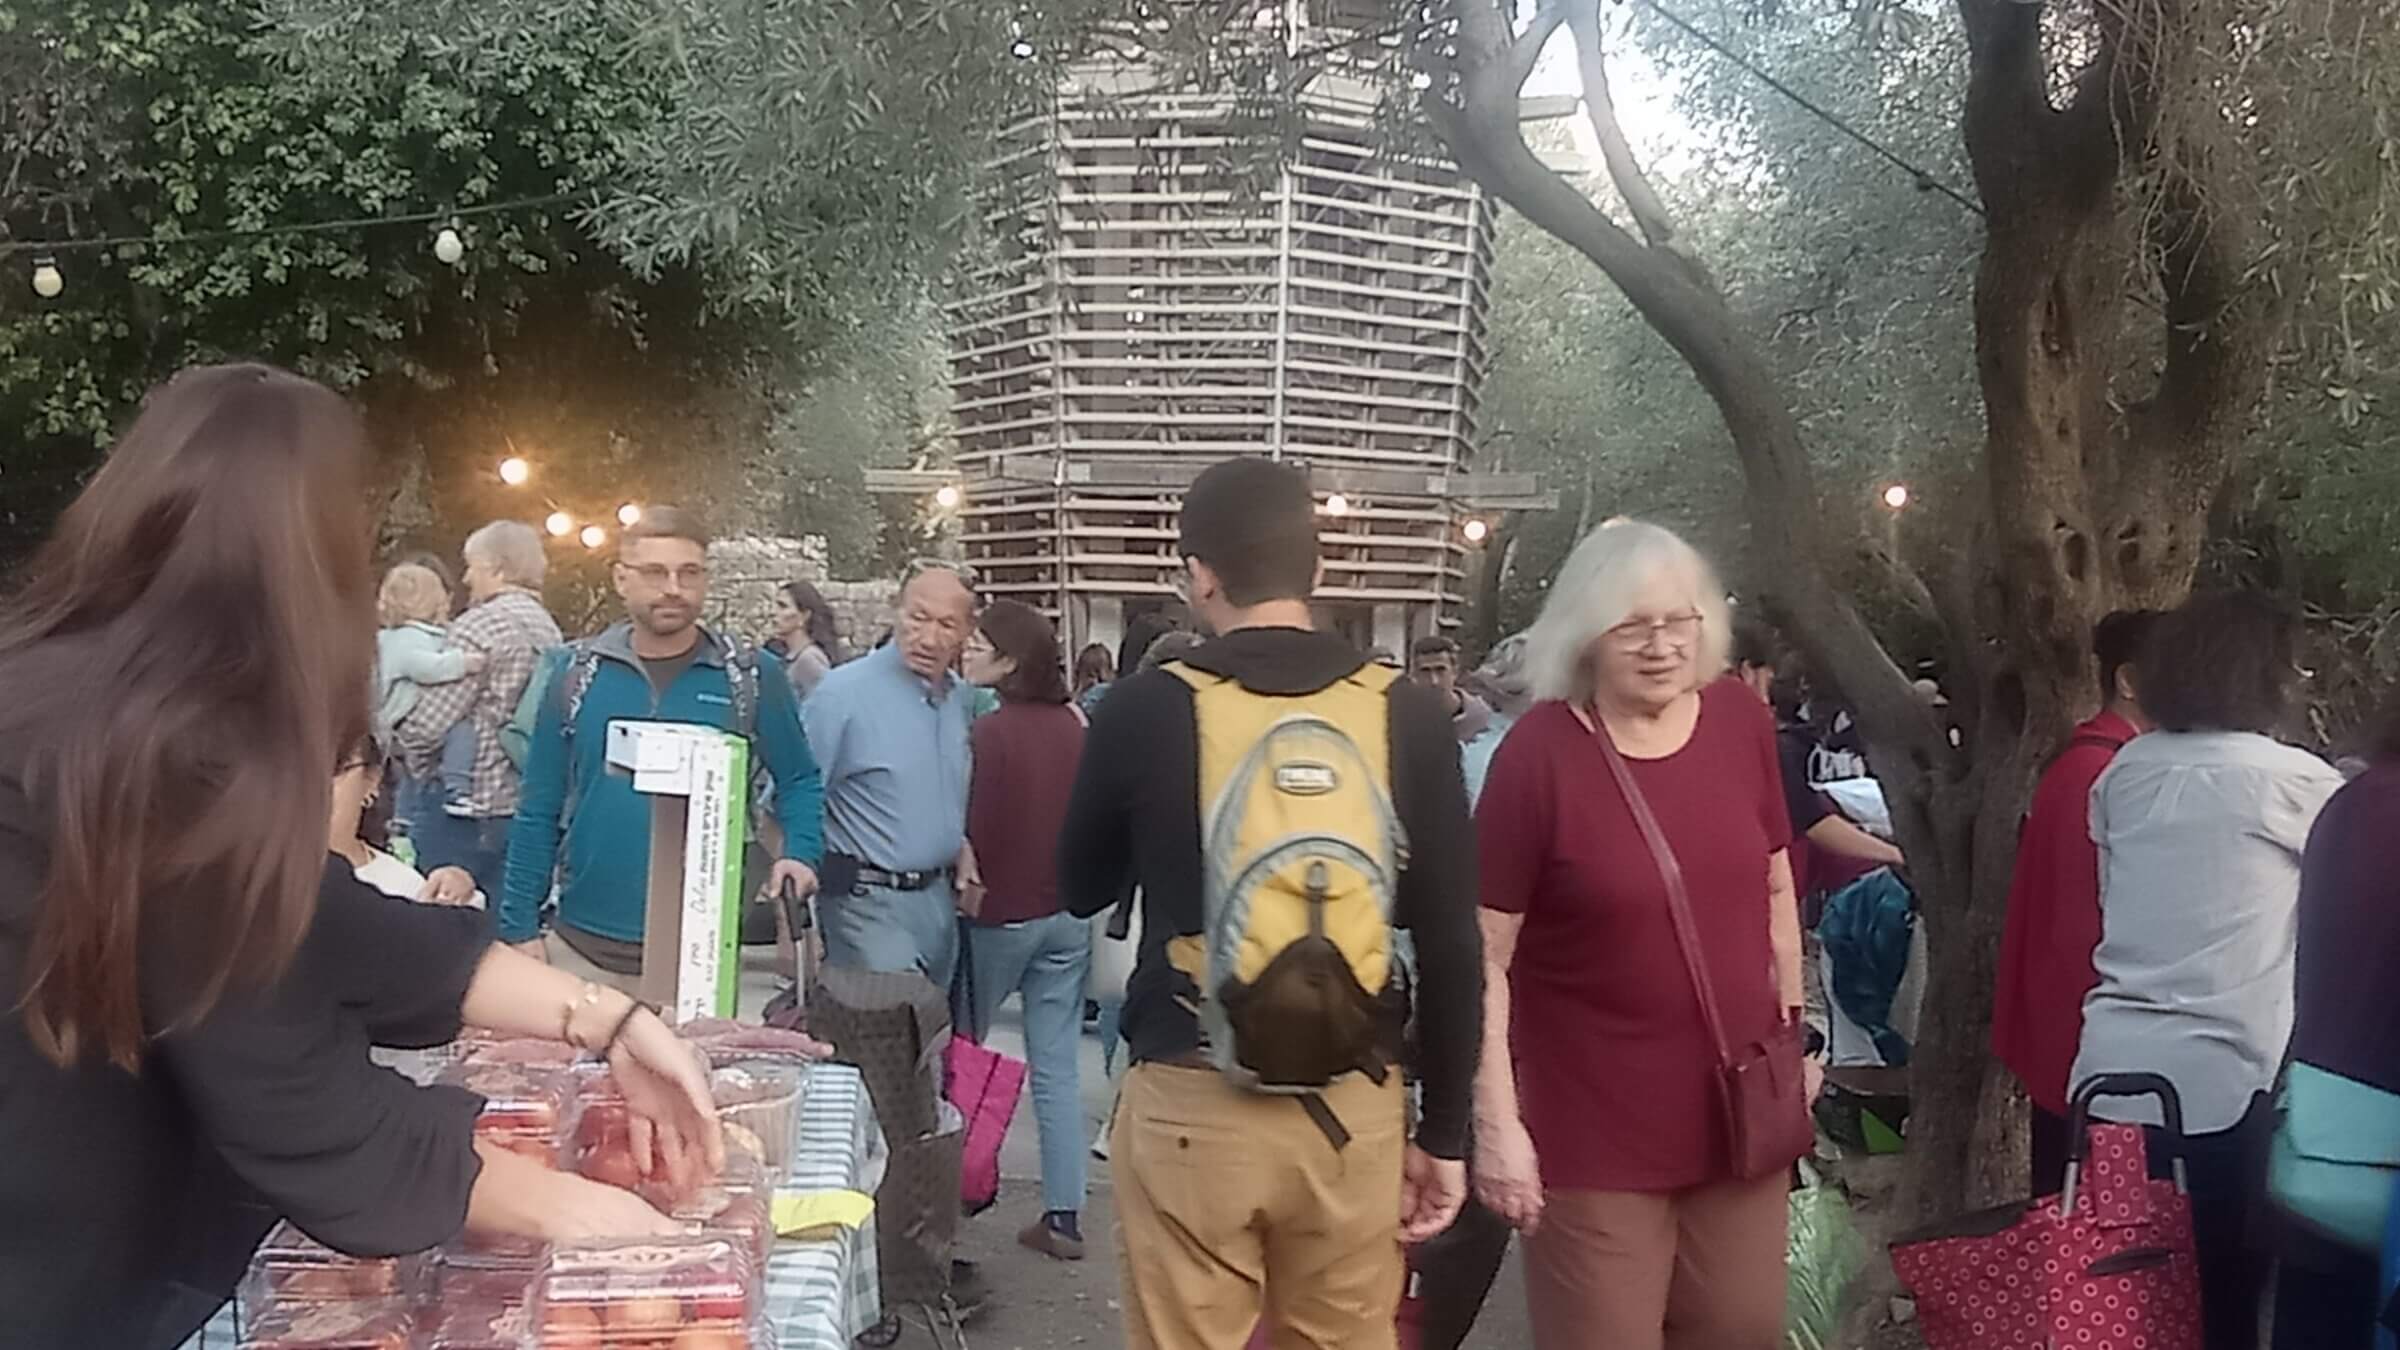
(698, 782)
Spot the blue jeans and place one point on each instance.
(480, 846)
(458, 763)
(875, 928)
(1046, 960)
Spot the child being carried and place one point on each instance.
(413, 650)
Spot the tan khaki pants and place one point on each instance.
(1232, 1206)
(1700, 1269)
(566, 958)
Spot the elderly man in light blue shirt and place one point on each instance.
(889, 732)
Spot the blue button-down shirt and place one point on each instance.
(893, 754)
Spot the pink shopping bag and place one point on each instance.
(984, 1086)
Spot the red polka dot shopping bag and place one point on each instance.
(2107, 1264)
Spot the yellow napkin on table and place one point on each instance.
(798, 1212)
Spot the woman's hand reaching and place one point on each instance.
(674, 1119)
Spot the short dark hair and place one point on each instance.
(1018, 631)
(1433, 645)
(1755, 642)
(2118, 641)
(2226, 661)
(1255, 524)
(666, 522)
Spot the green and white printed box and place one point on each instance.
(698, 782)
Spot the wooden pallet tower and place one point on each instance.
(1157, 301)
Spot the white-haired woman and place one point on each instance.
(1605, 1129)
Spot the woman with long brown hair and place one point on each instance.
(189, 981)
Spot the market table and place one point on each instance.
(821, 1291)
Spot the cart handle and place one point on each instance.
(2079, 1135)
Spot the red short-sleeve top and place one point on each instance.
(1616, 1075)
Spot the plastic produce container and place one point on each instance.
(374, 1324)
(758, 1103)
(692, 1293)
(527, 1109)
(292, 1269)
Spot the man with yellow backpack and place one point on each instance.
(1284, 806)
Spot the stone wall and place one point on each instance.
(745, 572)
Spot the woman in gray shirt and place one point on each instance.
(2200, 826)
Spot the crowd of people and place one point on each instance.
(1402, 961)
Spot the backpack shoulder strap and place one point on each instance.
(1192, 675)
(1376, 679)
(583, 665)
(741, 679)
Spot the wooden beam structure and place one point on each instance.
(1155, 304)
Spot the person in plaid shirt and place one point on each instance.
(505, 620)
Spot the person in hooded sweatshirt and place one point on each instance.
(1233, 1204)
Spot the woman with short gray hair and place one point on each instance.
(1642, 967)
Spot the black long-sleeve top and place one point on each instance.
(1134, 819)
(130, 1202)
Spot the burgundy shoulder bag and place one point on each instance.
(1760, 1086)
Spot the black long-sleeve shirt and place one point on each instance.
(1134, 819)
(132, 1201)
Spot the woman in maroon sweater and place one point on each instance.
(1599, 1131)
(1025, 756)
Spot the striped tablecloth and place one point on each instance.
(821, 1293)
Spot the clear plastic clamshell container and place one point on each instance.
(738, 1205)
(602, 1146)
(478, 1317)
(291, 1269)
(366, 1324)
(758, 1103)
(696, 1292)
(527, 1109)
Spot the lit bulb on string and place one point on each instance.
(448, 247)
(947, 496)
(48, 281)
(1337, 505)
(1021, 49)
(1475, 530)
(629, 515)
(514, 471)
(593, 536)
(560, 524)
(1896, 496)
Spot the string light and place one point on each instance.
(515, 472)
(560, 524)
(47, 281)
(947, 496)
(1896, 496)
(1476, 530)
(1021, 49)
(448, 247)
(629, 515)
(1337, 505)
(448, 216)
(593, 536)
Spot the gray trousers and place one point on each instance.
(874, 928)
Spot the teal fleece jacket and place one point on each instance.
(604, 871)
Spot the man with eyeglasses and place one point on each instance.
(890, 731)
(589, 826)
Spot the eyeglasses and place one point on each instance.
(979, 645)
(1680, 630)
(659, 574)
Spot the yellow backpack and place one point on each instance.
(1300, 851)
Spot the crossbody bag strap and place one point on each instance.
(1679, 902)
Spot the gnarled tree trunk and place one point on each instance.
(2092, 501)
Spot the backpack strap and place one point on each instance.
(583, 666)
(741, 679)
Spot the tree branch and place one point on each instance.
(1526, 50)
(1633, 185)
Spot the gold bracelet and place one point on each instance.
(588, 998)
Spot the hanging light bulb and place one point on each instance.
(593, 536)
(514, 471)
(448, 247)
(629, 515)
(1021, 49)
(48, 281)
(1476, 530)
(947, 496)
(1896, 496)
(1337, 505)
(560, 524)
